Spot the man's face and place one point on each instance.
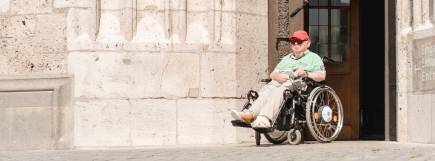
(299, 45)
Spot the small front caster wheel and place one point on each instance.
(294, 136)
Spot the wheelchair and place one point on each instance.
(308, 104)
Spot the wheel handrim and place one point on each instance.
(324, 129)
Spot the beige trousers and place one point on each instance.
(269, 99)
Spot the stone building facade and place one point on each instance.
(141, 72)
(124, 73)
(415, 71)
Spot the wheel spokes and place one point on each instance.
(325, 130)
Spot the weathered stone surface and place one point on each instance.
(19, 26)
(252, 58)
(115, 4)
(37, 115)
(4, 6)
(30, 6)
(177, 4)
(102, 123)
(26, 128)
(122, 71)
(32, 99)
(153, 122)
(199, 5)
(150, 5)
(418, 115)
(177, 81)
(256, 7)
(218, 75)
(251, 39)
(33, 44)
(228, 28)
(197, 28)
(81, 28)
(50, 36)
(205, 121)
(20, 58)
(150, 28)
(73, 3)
(108, 74)
(250, 71)
(110, 27)
(116, 25)
(415, 38)
(119, 122)
(227, 5)
(432, 126)
(178, 28)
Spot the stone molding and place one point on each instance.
(142, 25)
(61, 86)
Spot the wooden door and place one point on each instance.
(333, 27)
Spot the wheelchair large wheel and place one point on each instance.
(276, 136)
(324, 114)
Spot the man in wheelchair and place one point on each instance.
(301, 63)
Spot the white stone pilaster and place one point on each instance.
(178, 15)
(426, 13)
(198, 22)
(151, 26)
(417, 15)
(404, 10)
(116, 20)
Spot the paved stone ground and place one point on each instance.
(339, 150)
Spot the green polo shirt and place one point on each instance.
(309, 61)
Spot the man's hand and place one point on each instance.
(300, 72)
(279, 77)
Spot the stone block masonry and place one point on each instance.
(142, 72)
(168, 75)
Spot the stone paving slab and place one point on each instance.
(339, 150)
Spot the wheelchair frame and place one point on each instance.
(294, 115)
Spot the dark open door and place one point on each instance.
(333, 27)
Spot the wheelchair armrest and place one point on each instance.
(311, 82)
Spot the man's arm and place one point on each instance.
(279, 77)
(317, 76)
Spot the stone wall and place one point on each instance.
(141, 72)
(163, 71)
(35, 91)
(32, 37)
(416, 71)
(36, 112)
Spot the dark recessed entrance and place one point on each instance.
(372, 67)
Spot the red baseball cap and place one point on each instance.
(300, 35)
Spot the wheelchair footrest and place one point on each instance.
(240, 123)
(263, 130)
